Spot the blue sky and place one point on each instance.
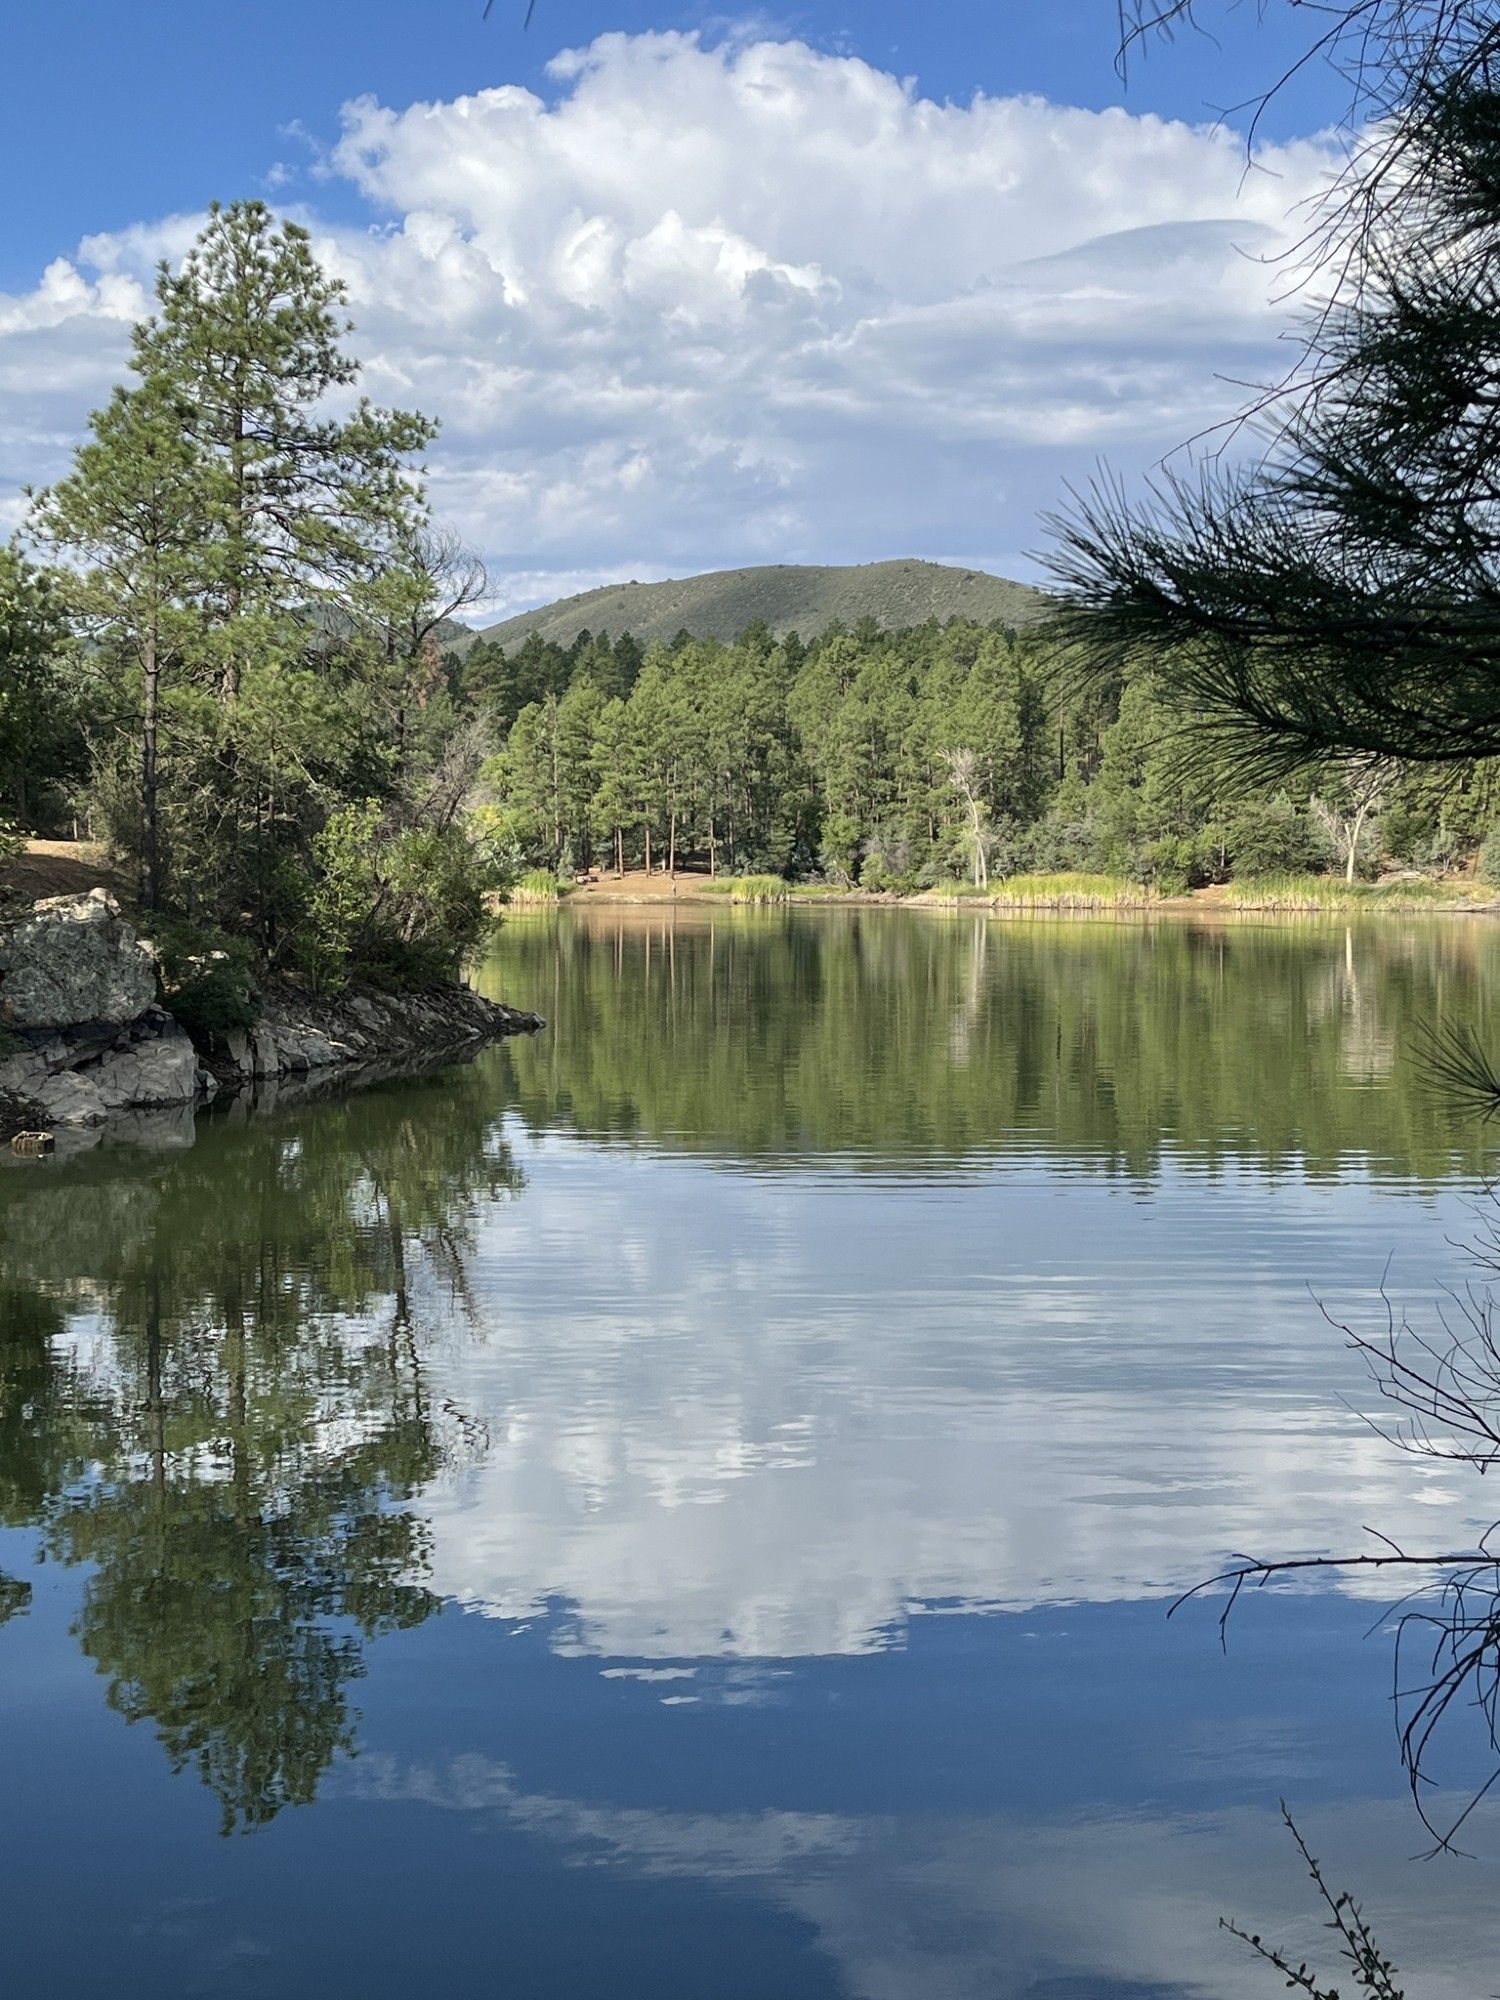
(181, 103)
(721, 290)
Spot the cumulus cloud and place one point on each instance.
(713, 304)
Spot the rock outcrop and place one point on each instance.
(297, 1035)
(83, 1038)
(85, 1075)
(74, 960)
(84, 1044)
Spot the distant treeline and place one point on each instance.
(898, 760)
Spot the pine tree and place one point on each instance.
(240, 526)
(134, 513)
(1341, 596)
(32, 633)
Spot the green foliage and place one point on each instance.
(842, 760)
(208, 980)
(1270, 836)
(496, 848)
(749, 888)
(1489, 858)
(251, 564)
(41, 745)
(345, 902)
(537, 885)
(397, 906)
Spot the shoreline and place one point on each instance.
(88, 1041)
(1375, 900)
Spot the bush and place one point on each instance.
(497, 849)
(880, 878)
(12, 841)
(1271, 837)
(1489, 858)
(208, 980)
(888, 865)
(400, 908)
(1168, 865)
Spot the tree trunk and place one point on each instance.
(1355, 832)
(150, 825)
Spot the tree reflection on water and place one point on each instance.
(233, 1434)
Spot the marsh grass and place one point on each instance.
(537, 885)
(1062, 891)
(748, 888)
(1328, 892)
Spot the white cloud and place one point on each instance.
(749, 302)
(1009, 1904)
(708, 1422)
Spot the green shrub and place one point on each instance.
(1489, 858)
(12, 841)
(208, 980)
(399, 908)
(497, 850)
(878, 876)
(1169, 865)
(1271, 837)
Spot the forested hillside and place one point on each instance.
(899, 760)
(806, 598)
(234, 665)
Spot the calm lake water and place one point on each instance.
(686, 1506)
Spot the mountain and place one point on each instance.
(789, 597)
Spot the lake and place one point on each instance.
(686, 1505)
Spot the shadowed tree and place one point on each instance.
(1340, 595)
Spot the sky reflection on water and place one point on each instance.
(707, 1498)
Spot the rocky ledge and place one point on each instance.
(84, 1040)
(297, 1034)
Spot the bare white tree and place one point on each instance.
(1359, 794)
(964, 776)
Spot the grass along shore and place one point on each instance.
(54, 868)
(1060, 893)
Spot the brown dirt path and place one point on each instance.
(64, 868)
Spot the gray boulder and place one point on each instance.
(74, 959)
(75, 1084)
